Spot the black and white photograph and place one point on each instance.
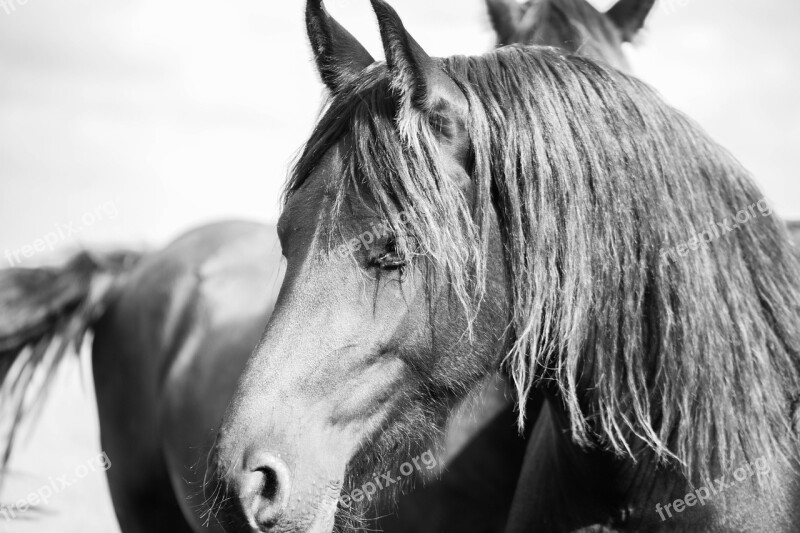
(399, 266)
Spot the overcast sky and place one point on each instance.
(130, 121)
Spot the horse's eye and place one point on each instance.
(390, 259)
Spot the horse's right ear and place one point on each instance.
(340, 57)
(629, 16)
(505, 16)
(416, 77)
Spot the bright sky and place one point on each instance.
(130, 121)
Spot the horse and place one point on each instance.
(535, 211)
(173, 330)
(574, 25)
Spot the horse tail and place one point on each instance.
(44, 311)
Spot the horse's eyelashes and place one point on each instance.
(390, 259)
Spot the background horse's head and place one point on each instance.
(368, 349)
(574, 25)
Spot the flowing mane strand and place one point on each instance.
(596, 182)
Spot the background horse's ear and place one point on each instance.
(417, 78)
(629, 16)
(340, 57)
(505, 16)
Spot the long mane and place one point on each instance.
(596, 182)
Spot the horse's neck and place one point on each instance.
(565, 487)
(568, 488)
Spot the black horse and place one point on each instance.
(539, 212)
(173, 330)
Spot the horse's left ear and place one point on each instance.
(418, 79)
(629, 16)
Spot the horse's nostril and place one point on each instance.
(267, 488)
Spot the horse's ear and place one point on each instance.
(340, 57)
(629, 16)
(417, 78)
(505, 16)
